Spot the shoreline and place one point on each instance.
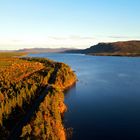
(44, 108)
(57, 87)
(117, 55)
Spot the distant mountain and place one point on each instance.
(41, 50)
(123, 48)
(6, 50)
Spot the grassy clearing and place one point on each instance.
(11, 54)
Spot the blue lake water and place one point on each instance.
(105, 102)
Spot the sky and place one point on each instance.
(67, 23)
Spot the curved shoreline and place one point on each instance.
(60, 80)
(32, 98)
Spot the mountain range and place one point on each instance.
(41, 50)
(120, 48)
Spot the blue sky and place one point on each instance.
(67, 23)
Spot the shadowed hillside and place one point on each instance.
(125, 48)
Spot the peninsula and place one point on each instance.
(32, 97)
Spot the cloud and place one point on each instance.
(49, 41)
(74, 41)
(82, 38)
(16, 41)
(124, 37)
(73, 37)
(56, 38)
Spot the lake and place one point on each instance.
(105, 102)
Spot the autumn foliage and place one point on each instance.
(22, 81)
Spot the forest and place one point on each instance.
(32, 97)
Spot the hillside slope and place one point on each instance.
(124, 48)
(116, 48)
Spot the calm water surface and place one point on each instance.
(105, 102)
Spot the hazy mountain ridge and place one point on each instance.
(120, 48)
(40, 50)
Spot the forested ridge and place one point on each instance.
(22, 82)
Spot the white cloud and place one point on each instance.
(73, 41)
(50, 41)
(124, 37)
